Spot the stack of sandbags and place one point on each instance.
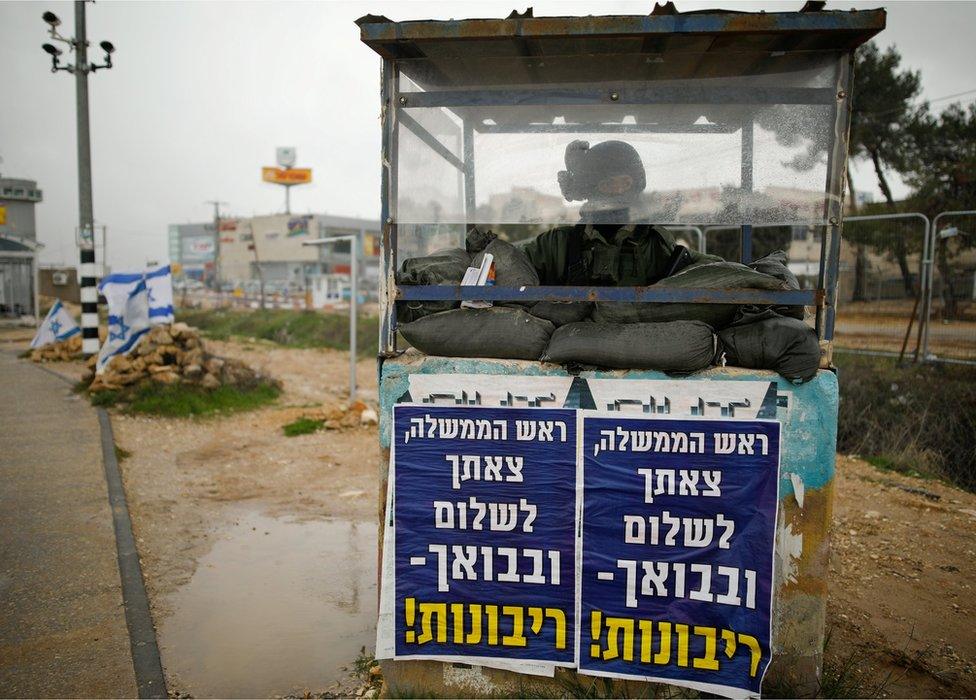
(168, 354)
(61, 351)
(679, 338)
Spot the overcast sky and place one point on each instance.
(202, 93)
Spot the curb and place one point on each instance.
(146, 662)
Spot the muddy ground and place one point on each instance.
(233, 497)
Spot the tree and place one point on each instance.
(942, 175)
(883, 110)
(883, 119)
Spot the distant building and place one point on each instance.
(192, 247)
(18, 247)
(274, 244)
(17, 200)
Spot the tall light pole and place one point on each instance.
(86, 218)
(353, 299)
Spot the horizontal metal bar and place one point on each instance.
(604, 95)
(805, 297)
(431, 140)
(598, 128)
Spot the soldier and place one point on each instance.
(605, 248)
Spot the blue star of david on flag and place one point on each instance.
(123, 330)
(58, 325)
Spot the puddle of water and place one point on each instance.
(275, 607)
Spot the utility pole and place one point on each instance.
(257, 263)
(216, 224)
(86, 217)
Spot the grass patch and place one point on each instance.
(297, 329)
(121, 453)
(303, 426)
(916, 419)
(898, 464)
(185, 401)
(109, 397)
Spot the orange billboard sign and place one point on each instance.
(287, 176)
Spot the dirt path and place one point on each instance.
(198, 489)
(901, 600)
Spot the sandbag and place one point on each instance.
(766, 340)
(559, 313)
(498, 331)
(775, 265)
(475, 240)
(711, 275)
(512, 266)
(678, 347)
(440, 267)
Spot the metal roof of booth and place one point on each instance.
(717, 31)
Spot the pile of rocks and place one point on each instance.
(168, 354)
(62, 351)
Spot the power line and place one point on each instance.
(934, 99)
(949, 97)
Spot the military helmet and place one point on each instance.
(587, 168)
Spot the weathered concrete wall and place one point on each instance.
(808, 416)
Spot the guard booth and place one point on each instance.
(741, 119)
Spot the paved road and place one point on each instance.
(62, 622)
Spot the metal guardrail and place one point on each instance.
(931, 240)
(931, 263)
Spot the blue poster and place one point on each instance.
(484, 514)
(679, 518)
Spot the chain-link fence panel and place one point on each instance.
(951, 333)
(880, 285)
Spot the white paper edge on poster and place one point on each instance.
(386, 624)
(728, 691)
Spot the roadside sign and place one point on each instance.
(287, 176)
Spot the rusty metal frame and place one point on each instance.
(396, 106)
(836, 30)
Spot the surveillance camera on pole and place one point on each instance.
(86, 223)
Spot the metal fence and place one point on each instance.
(906, 285)
(882, 283)
(950, 308)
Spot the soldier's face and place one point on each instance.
(615, 185)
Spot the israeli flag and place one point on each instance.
(128, 321)
(58, 325)
(159, 289)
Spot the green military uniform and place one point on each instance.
(635, 255)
